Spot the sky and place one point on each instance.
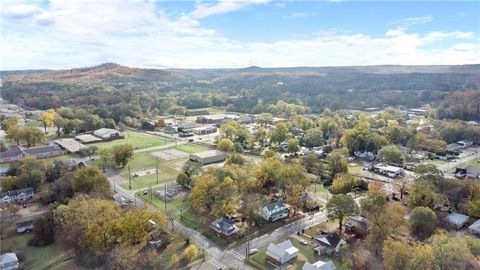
(60, 34)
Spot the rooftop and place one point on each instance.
(209, 153)
(457, 219)
(42, 149)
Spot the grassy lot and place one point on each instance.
(306, 253)
(355, 167)
(435, 161)
(191, 148)
(474, 162)
(48, 257)
(137, 139)
(177, 247)
(145, 161)
(321, 191)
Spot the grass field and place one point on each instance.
(177, 247)
(145, 161)
(474, 162)
(137, 139)
(40, 258)
(191, 148)
(321, 192)
(435, 161)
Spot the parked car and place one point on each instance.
(252, 251)
(304, 242)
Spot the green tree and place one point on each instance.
(338, 163)
(105, 155)
(423, 222)
(450, 253)
(9, 122)
(122, 154)
(313, 137)
(279, 134)
(390, 154)
(293, 146)
(88, 180)
(16, 133)
(421, 194)
(341, 206)
(43, 231)
(32, 135)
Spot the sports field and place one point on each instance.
(138, 140)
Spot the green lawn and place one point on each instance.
(474, 162)
(137, 139)
(321, 191)
(36, 257)
(435, 161)
(191, 148)
(177, 247)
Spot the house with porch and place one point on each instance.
(273, 211)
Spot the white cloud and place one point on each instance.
(300, 15)
(203, 10)
(83, 33)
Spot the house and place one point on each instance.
(454, 148)
(223, 227)
(465, 143)
(70, 145)
(107, 134)
(26, 226)
(388, 170)
(204, 130)
(8, 261)
(87, 138)
(170, 130)
(185, 126)
(329, 244)
(281, 253)
(357, 225)
(320, 265)
(273, 211)
(16, 196)
(475, 227)
(14, 153)
(207, 157)
(469, 172)
(457, 220)
(43, 151)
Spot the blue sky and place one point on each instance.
(211, 34)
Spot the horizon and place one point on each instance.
(237, 34)
(238, 68)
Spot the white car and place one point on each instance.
(252, 251)
(303, 242)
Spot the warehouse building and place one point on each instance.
(208, 157)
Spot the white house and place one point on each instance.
(320, 265)
(273, 211)
(281, 253)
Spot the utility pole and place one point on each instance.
(151, 193)
(114, 184)
(157, 172)
(129, 178)
(165, 197)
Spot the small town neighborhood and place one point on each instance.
(274, 225)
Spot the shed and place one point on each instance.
(70, 145)
(281, 253)
(8, 261)
(107, 134)
(320, 265)
(208, 157)
(87, 138)
(475, 227)
(457, 220)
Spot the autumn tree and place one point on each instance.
(343, 183)
(340, 207)
(279, 134)
(451, 253)
(398, 255)
(122, 154)
(293, 146)
(225, 144)
(338, 163)
(294, 192)
(105, 155)
(48, 118)
(190, 253)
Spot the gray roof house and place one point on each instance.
(457, 220)
(14, 153)
(43, 151)
(329, 244)
(107, 134)
(8, 261)
(281, 253)
(320, 265)
(223, 227)
(207, 157)
(273, 211)
(475, 227)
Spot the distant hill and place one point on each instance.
(316, 87)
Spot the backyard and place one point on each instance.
(306, 253)
(48, 257)
(137, 139)
(474, 162)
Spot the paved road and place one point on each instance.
(466, 155)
